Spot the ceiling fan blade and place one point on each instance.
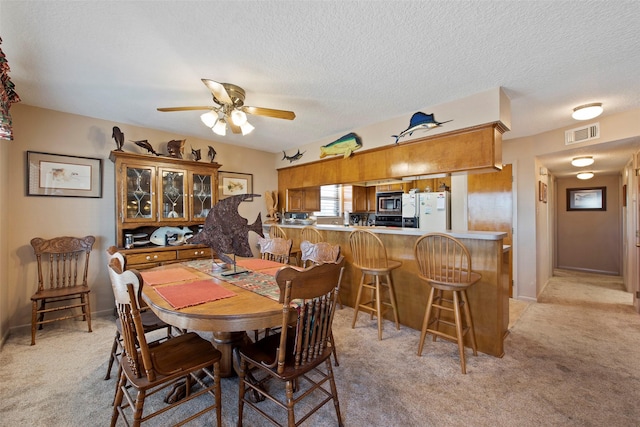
(234, 128)
(218, 91)
(186, 108)
(269, 112)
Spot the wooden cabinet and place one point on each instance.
(303, 200)
(389, 187)
(153, 192)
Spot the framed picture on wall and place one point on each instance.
(62, 175)
(587, 199)
(234, 183)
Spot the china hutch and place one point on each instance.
(155, 192)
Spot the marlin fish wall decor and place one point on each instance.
(419, 121)
(345, 145)
(293, 158)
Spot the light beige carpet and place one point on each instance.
(571, 360)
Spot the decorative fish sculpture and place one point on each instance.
(175, 147)
(226, 232)
(181, 234)
(293, 158)
(345, 145)
(118, 136)
(196, 154)
(212, 153)
(419, 121)
(145, 144)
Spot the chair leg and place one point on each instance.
(34, 319)
(291, 417)
(357, 304)
(458, 320)
(241, 390)
(334, 391)
(378, 308)
(117, 400)
(392, 297)
(87, 310)
(112, 356)
(438, 301)
(425, 322)
(333, 349)
(467, 315)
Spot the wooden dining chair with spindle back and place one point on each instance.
(277, 231)
(311, 234)
(275, 249)
(63, 265)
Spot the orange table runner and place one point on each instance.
(257, 264)
(193, 293)
(176, 274)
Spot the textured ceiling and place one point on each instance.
(339, 65)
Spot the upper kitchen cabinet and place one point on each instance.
(162, 191)
(303, 200)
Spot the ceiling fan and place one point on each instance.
(230, 109)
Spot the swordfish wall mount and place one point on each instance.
(419, 121)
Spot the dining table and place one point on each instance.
(198, 295)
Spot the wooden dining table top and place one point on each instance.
(246, 310)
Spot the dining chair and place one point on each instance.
(275, 249)
(444, 263)
(150, 321)
(63, 265)
(311, 234)
(299, 350)
(370, 256)
(187, 360)
(277, 231)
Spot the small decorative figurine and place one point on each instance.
(419, 121)
(196, 154)
(211, 154)
(145, 144)
(118, 136)
(175, 148)
(345, 145)
(271, 200)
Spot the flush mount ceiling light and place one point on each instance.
(580, 162)
(585, 175)
(587, 111)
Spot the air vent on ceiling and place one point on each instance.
(582, 134)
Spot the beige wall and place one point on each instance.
(590, 240)
(531, 242)
(23, 217)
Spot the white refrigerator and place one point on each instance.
(427, 211)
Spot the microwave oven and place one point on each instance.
(389, 203)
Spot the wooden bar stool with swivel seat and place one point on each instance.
(445, 264)
(370, 256)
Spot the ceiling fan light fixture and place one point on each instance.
(220, 128)
(587, 111)
(209, 119)
(246, 128)
(583, 161)
(238, 117)
(585, 175)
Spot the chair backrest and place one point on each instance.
(368, 250)
(275, 249)
(277, 231)
(442, 259)
(126, 288)
(311, 234)
(62, 261)
(313, 293)
(318, 253)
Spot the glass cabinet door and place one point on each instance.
(202, 195)
(172, 195)
(139, 200)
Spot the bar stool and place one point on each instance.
(370, 256)
(445, 264)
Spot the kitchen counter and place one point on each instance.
(488, 299)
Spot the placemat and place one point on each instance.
(256, 264)
(193, 293)
(176, 274)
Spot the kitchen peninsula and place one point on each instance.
(488, 299)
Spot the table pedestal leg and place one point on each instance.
(225, 342)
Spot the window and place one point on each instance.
(329, 201)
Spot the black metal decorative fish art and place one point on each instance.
(226, 232)
(293, 158)
(145, 144)
(196, 154)
(175, 147)
(419, 121)
(118, 136)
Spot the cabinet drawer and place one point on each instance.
(194, 253)
(151, 257)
